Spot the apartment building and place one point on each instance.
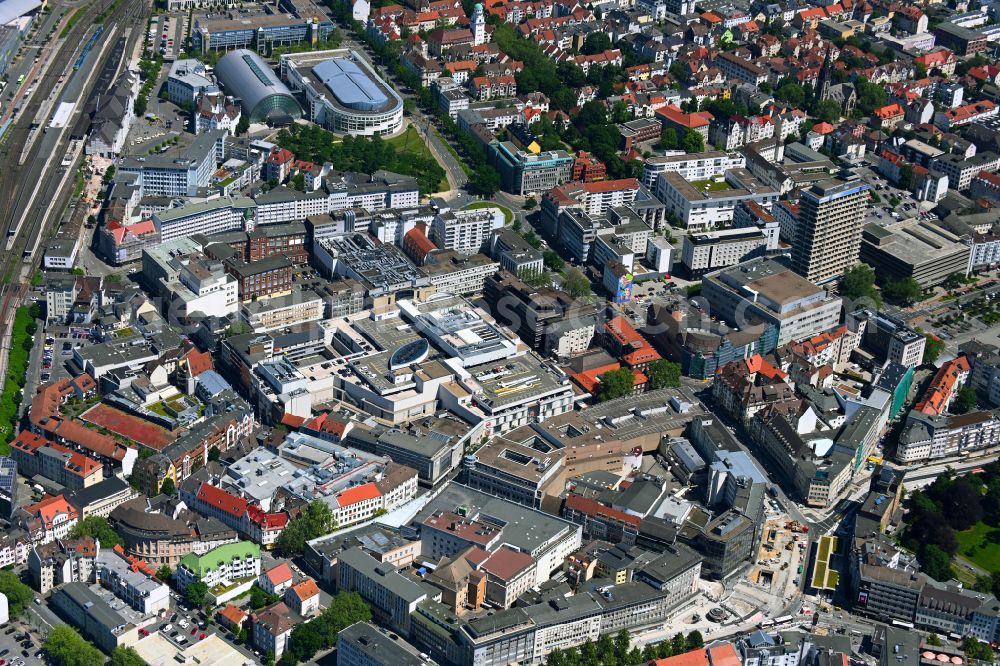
(691, 166)
(35, 455)
(223, 565)
(465, 230)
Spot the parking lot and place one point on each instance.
(882, 212)
(57, 352)
(20, 645)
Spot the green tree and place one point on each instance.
(18, 594)
(668, 139)
(933, 640)
(164, 573)
(596, 42)
(976, 650)
(791, 92)
(935, 563)
(168, 487)
(906, 177)
(260, 598)
(243, 126)
(827, 111)
(955, 280)
(932, 348)
(616, 384)
(681, 72)
(858, 283)
(196, 593)
(663, 373)
(485, 181)
(693, 142)
(902, 292)
(316, 521)
(552, 260)
(214, 453)
(65, 647)
(126, 656)
(678, 643)
(695, 640)
(346, 608)
(98, 528)
(576, 283)
(965, 400)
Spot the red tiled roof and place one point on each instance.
(292, 421)
(506, 563)
(367, 491)
(267, 521)
(595, 509)
(279, 574)
(233, 614)
(941, 388)
(307, 589)
(220, 499)
(198, 362)
(326, 423)
(697, 657)
(611, 185)
(678, 117)
(723, 655)
(49, 508)
(888, 111)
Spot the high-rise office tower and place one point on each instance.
(828, 232)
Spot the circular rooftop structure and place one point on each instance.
(344, 93)
(351, 86)
(410, 353)
(263, 96)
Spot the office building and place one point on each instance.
(177, 173)
(524, 173)
(95, 618)
(889, 338)
(692, 166)
(188, 78)
(392, 596)
(260, 29)
(709, 251)
(132, 581)
(763, 289)
(703, 205)
(828, 233)
(364, 644)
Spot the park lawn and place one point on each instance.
(985, 553)
(713, 186)
(508, 216)
(409, 142)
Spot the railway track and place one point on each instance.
(24, 218)
(30, 195)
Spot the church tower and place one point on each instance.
(825, 78)
(478, 26)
